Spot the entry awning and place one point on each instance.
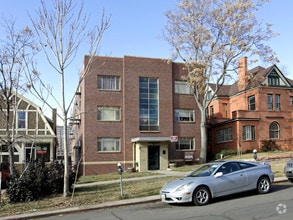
(150, 139)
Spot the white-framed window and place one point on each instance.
(181, 87)
(109, 83)
(209, 95)
(274, 130)
(37, 151)
(224, 135)
(185, 143)
(248, 133)
(108, 113)
(184, 115)
(21, 119)
(108, 144)
(4, 154)
(291, 100)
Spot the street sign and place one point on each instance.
(174, 138)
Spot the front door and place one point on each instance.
(153, 157)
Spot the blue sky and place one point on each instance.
(136, 26)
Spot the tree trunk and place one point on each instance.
(65, 138)
(9, 142)
(203, 135)
(66, 161)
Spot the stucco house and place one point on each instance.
(33, 133)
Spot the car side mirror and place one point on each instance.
(218, 174)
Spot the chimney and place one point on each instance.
(54, 118)
(242, 73)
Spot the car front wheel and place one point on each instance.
(263, 185)
(201, 196)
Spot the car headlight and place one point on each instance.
(185, 186)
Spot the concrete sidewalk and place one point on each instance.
(159, 173)
(112, 204)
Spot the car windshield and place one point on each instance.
(205, 170)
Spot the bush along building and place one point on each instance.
(134, 111)
(253, 113)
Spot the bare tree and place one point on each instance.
(62, 27)
(17, 50)
(210, 36)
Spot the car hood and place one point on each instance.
(185, 180)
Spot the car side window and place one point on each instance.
(245, 165)
(229, 168)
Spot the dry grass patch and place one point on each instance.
(111, 192)
(89, 195)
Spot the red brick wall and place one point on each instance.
(130, 69)
(261, 118)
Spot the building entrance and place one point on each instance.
(153, 157)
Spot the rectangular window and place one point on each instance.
(224, 135)
(212, 111)
(270, 102)
(273, 78)
(108, 113)
(37, 151)
(109, 83)
(277, 103)
(21, 121)
(181, 87)
(224, 110)
(291, 100)
(251, 103)
(148, 104)
(209, 95)
(248, 133)
(182, 115)
(108, 144)
(185, 144)
(4, 154)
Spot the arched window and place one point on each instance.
(274, 130)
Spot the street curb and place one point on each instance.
(119, 203)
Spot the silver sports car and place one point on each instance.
(218, 179)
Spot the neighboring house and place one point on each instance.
(256, 108)
(132, 110)
(34, 134)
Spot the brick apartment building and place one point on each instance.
(256, 108)
(127, 109)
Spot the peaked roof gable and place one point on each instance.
(275, 72)
(32, 105)
(259, 77)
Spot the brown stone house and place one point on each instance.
(256, 108)
(127, 109)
